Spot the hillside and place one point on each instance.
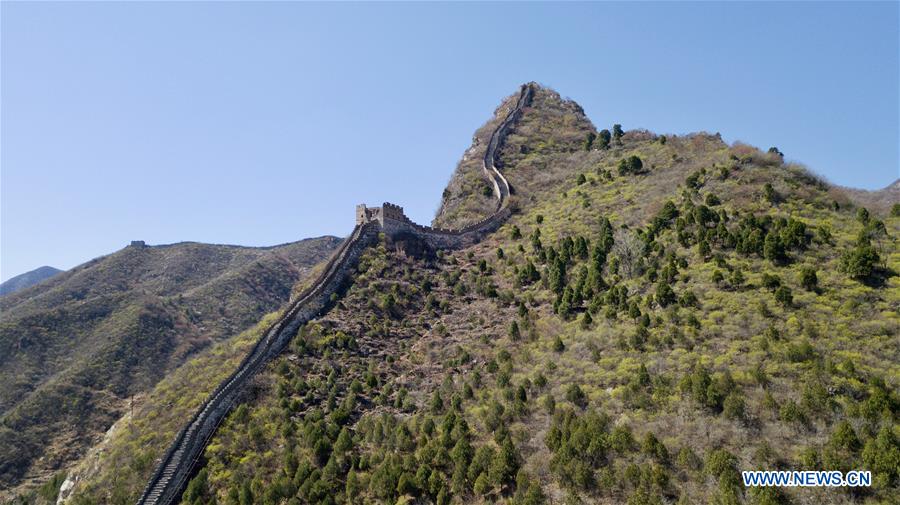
(882, 202)
(27, 279)
(74, 349)
(660, 313)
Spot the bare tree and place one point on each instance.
(629, 248)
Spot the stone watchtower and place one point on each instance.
(361, 214)
(387, 211)
(365, 214)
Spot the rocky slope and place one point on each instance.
(74, 349)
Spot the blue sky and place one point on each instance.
(262, 123)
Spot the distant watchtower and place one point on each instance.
(138, 243)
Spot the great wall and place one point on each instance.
(181, 459)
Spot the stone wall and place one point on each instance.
(180, 461)
(177, 465)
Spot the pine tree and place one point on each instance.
(505, 463)
(664, 294)
(437, 403)
(586, 321)
(514, 331)
(784, 296)
(558, 345)
(589, 140)
(860, 262)
(604, 139)
(808, 278)
(773, 248)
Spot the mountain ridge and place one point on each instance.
(27, 279)
(113, 326)
(693, 307)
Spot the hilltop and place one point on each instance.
(659, 313)
(75, 348)
(27, 279)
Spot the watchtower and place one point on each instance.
(387, 212)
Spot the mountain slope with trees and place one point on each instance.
(661, 312)
(74, 349)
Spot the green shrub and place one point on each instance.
(558, 345)
(630, 165)
(575, 395)
(808, 278)
(604, 139)
(783, 296)
(860, 262)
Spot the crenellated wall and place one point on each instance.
(179, 462)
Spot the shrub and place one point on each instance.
(737, 278)
(549, 403)
(771, 282)
(589, 140)
(784, 297)
(773, 248)
(652, 447)
(733, 407)
(514, 333)
(790, 412)
(604, 139)
(482, 484)
(693, 181)
(808, 278)
(664, 294)
(505, 463)
(575, 395)
(688, 299)
(881, 455)
(703, 248)
(860, 262)
(586, 321)
(558, 345)
(720, 463)
(437, 403)
(717, 276)
(630, 165)
(769, 194)
(621, 439)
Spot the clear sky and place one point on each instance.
(262, 123)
